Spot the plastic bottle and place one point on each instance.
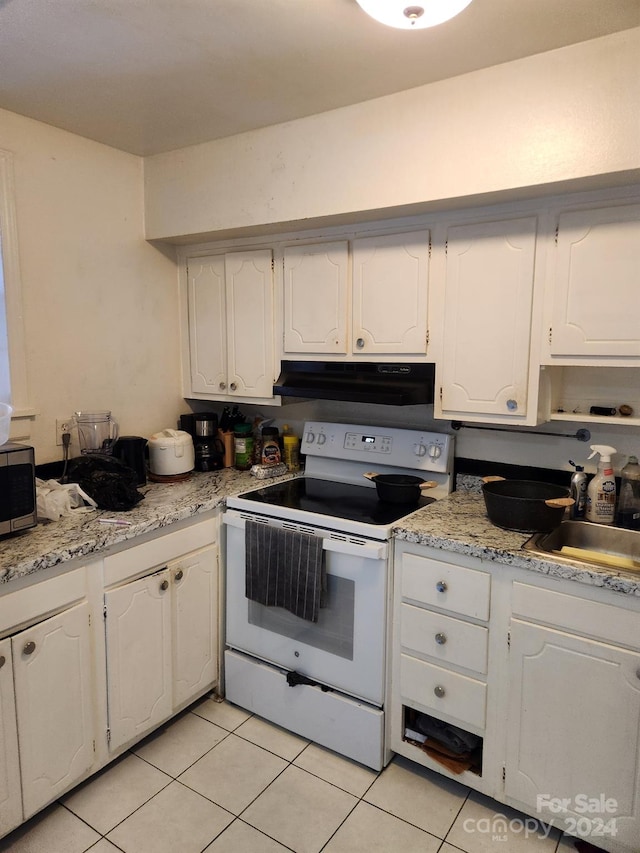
(291, 452)
(628, 514)
(601, 492)
(578, 491)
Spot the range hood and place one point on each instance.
(388, 383)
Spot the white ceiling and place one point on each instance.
(153, 75)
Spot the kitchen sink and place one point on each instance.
(588, 543)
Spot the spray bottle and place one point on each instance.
(578, 491)
(601, 492)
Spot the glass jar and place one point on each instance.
(243, 440)
(270, 446)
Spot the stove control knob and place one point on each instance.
(435, 451)
(420, 449)
(322, 438)
(310, 437)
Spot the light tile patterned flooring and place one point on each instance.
(219, 780)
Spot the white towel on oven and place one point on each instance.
(284, 568)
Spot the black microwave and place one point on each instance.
(17, 488)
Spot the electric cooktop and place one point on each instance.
(334, 499)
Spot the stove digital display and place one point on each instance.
(369, 439)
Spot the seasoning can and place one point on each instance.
(243, 436)
(270, 446)
(291, 452)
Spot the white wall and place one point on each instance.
(559, 117)
(100, 303)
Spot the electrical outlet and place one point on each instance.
(62, 425)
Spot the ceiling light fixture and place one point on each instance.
(396, 13)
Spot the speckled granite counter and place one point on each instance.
(459, 524)
(81, 534)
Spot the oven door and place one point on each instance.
(345, 648)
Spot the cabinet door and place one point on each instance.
(207, 324)
(315, 298)
(138, 634)
(54, 702)
(390, 281)
(195, 623)
(10, 801)
(249, 290)
(488, 304)
(574, 724)
(596, 293)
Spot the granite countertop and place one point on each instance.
(459, 524)
(82, 535)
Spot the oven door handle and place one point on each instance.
(354, 547)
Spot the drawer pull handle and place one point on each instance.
(233, 386)
(439, 691)
(29, 648)
(441, 586)
(164, 585)
(441, 638)
(3, 660)
(179, 575)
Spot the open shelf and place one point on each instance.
(441, 737)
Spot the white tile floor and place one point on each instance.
(218, 780)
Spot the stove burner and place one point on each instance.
(336, 500)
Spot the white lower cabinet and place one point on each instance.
(573, 734)
(10, 789)
(162, 650)
(47, 695)
(550, 681)
(54, 702)
(440, 659)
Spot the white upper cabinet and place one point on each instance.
(370, 304)
(390, 281)
(488, 299)
(315, 298)
(595, 284)
(229, 334)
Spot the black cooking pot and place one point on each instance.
(525, 505)
(399, 488)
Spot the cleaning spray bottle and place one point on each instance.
(578, 491)
(601, 492)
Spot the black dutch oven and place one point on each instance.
(399, 488)
(525, 505)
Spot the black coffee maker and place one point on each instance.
(209, 450)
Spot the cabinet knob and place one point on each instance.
(29, 648)
(179, 575)
(441, 586)
(164, 585)
(233, 386)
(360, 343)
(441, 638)
(439, 691)
(3, 660)
(222, 386)
(512, 405)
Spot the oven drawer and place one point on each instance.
(443, 692)
(451, 587)
(449, 640)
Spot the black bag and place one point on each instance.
(111, 483)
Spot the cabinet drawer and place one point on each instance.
(442, 637)
(464, 591)
(604, 621)
(139, 558)
(461, 697)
